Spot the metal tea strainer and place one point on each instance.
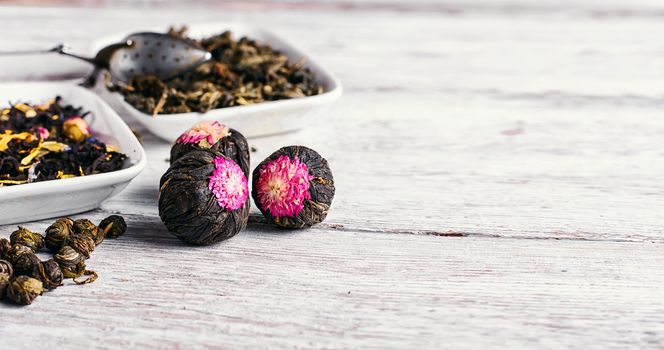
(157, 54)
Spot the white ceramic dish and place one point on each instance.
(55, 198)
(260, 119)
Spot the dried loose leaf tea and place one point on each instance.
(204, 198)
(241, 72)
(82, 243)
(113, 226)
(16, 251)
(26, 264)
(216, 136)
(86, 227)
(4, 283)
(23, 290)
(57, 233)
(293, 187)
(91, 277)
(6, 268)
(71, 262)
(50, 274)
(25, 237)
(50, 141)
(5, 246)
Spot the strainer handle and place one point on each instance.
(61, 49)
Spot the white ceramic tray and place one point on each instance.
(55, 198)
(260, 119)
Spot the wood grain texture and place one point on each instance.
(532, 130)
(331, 289)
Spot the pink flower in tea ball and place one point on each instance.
(283, 186)
(228, 184)
(76, 129)
(205, 134)
(43, 133)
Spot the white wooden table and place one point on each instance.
(499, 185)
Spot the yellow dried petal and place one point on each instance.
(12, 182)
(30, 113)
(46, 105)
(22, 107)
(35, 154)
(7, 137)
(54, 146)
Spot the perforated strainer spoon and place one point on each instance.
(157, 54)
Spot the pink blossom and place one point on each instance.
(205, 134)
(43, 133)
(76, 129)
(228, 184)
(283, 186)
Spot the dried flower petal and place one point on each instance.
(293, 187)
(228, 184)
(76, 129)
(283, 186)
(204, 134)
(217, 137)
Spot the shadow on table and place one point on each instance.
(258, 225)
(149, 230)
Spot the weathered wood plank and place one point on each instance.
(329, 289)
(507, 120)
(487, 124)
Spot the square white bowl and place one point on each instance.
(261, 119)
(56, 198)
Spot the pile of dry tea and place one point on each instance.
(50, 141)
(204, 195)
(241, 72)
(24, 277)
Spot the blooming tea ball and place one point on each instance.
(204, 198)
(212, 135)
(293, 187)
